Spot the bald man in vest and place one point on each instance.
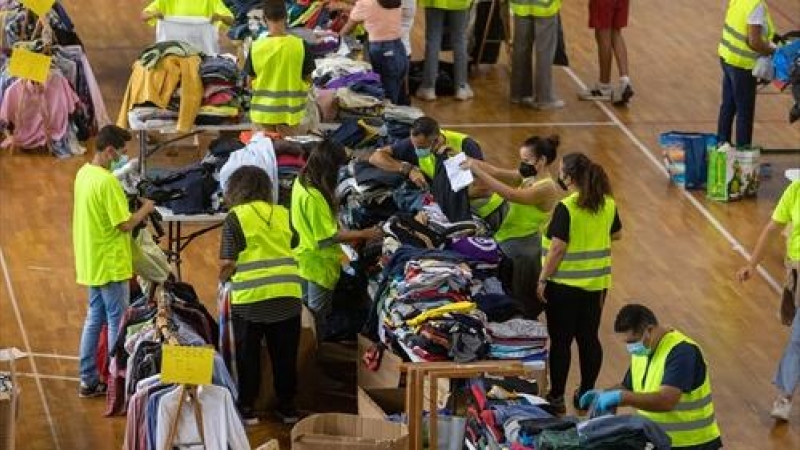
(668, 381)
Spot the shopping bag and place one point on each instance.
(733, 173)
(149, 261)
(686, 157)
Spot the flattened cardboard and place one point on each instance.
(387, 375)
(345, 431)
(380, 403)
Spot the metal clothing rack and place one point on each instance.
(188, 392)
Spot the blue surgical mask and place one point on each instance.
(638, 348)
(422, 152)
(119, 163)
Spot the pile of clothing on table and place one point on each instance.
(346, 88)
(68, 107)
(508, 412)
(174, 84)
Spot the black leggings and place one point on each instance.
(573, 314)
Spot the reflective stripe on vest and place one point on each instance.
(733, 47)
(279, 96)
(587, 261)
(452, 5)
(453, 140)
(692, 421)
(536, 8)
(485, 207)
(265, 268)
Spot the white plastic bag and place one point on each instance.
(149, 261)
(259, 152)
(764, 68)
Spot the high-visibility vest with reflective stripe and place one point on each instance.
(692, 422)
(452, 5)
(279, 91)
(453, 140)
(587, 261)
(733, 47)
(536, 8)
(265, 269)
(484, 207)
(522, 220)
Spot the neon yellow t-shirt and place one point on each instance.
(788, 212)
(191, 8)
(102, 252)
(318, 254)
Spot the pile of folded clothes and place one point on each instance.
(518, 339)
(223, 96)
(348, 88)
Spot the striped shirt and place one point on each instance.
(266, 311)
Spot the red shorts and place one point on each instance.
(606, 14)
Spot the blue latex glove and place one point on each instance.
(608, 399)
(588, 398)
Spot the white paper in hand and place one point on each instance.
(459, 178)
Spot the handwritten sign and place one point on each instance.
(29, 65)
(40, 7)
(186, 365)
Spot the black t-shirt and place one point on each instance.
(403, 150)
(684, 370)
(559, 223)
(308, 62)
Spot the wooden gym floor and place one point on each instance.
(678, 254)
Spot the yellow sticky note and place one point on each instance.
(186, 365)
(29, 65)
(40, 7)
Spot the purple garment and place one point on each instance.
(347, 80)
(477, 249)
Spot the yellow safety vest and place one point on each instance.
(265, 269)
(692, 422)
(587, 261)
(452, 5)
(536, 8)
(279, 91)
(522, 220)
(733, 47)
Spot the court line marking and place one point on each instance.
(736, 245)
(49, 377)
(527, 124)
(55, 356)
(15, 305)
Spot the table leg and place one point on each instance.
(143, 152)
(411, 376)
(178, 251)
(433, 417)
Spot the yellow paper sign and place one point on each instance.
(29, 65)
(40, 7)
(186, 365)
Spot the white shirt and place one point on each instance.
(759, 17)
(221, 424)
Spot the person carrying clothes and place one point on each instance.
(280, 64)
(213, 10)
(387, 54)
(668, 381)
(101, 238)
(787, 213)
(576, 271)
(746, 35)
(535, 22)
(256, 257)
(314, 209)
(456, 14)
(530, 193)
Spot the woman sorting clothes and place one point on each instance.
(530, 195)
(256, 256)
(314, 210)
(577, 272)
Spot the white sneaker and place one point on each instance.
(781, 409)
(546, 106)
(427, 94)
(622, 95)
(527, 101)
(597, 92)
(464, 93)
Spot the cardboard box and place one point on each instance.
(381, 403)
(306, 370)
(345, 431)
(387, 375)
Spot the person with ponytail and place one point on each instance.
(314, 208)
(530, 195)
(576, 272)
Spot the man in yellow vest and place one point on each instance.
(535, 22)
(668, 381)
(279, 63)
(746, 35)
(214, 10)
(455, 13)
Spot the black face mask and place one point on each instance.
(562, 184)
(527, 170)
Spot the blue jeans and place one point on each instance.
(739, 101)
(434, 27)
(320, 301)
(788, 374)
(390, 61)
(107, 304)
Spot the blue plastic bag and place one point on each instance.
(686, 155)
